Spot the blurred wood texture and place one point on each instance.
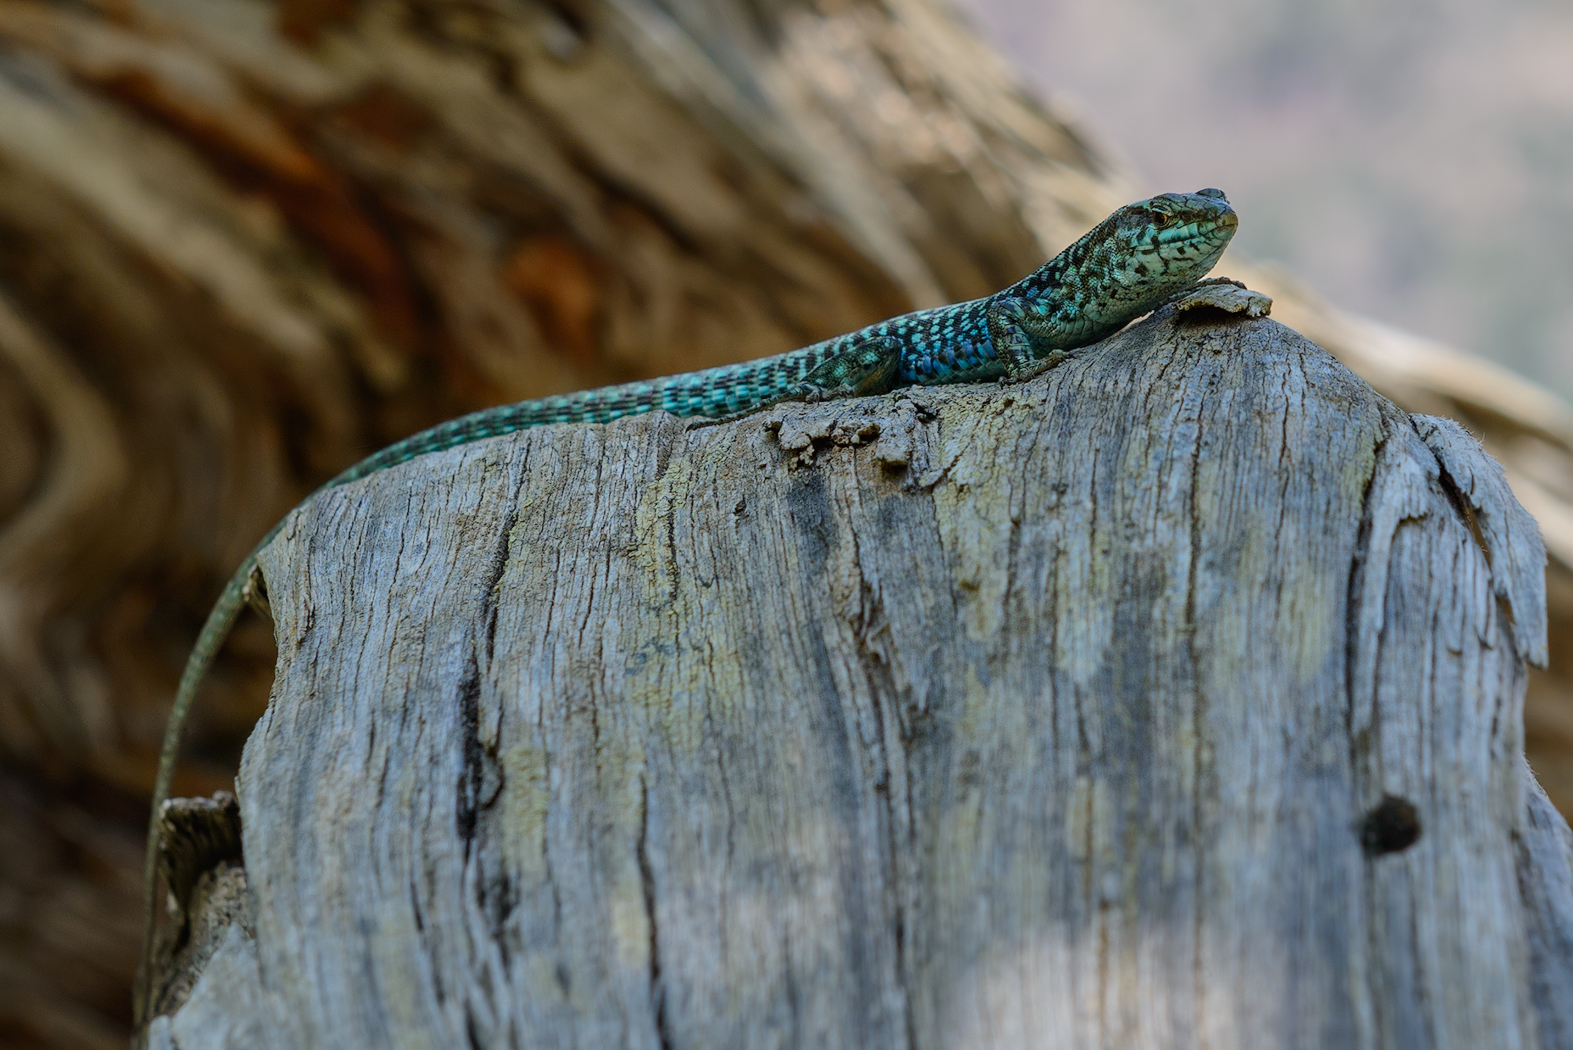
(244, 243)
(1168, 700)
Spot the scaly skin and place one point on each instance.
(1130, 263)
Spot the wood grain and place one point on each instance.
(1171, 699)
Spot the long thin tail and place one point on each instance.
(720, 392)
(214, 631)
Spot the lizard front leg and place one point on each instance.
(1026, 341)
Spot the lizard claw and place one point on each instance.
(1038, 366)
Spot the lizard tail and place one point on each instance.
(214, 631)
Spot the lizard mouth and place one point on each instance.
(1200, 234)
(1216, 229)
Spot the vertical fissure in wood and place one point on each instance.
(1353, 606)
(1461, 504)
(885, 697)
(1466, 511)
(499, 566)
(723, 902)
(467, 797)
(647, 888)
(1198, 708)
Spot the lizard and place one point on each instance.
(1140, 256)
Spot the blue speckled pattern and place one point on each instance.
(1135, 259)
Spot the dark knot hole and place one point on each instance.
(1391, 826)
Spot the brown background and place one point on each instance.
(243, 244)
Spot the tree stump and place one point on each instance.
(1171, 699)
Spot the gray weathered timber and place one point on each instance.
(1100, 711)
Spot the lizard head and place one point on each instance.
(1182, 231)
(1147, 251)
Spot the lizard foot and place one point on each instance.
(1038, 366)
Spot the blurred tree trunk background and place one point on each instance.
(243, 244)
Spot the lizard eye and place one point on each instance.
(1161, 217)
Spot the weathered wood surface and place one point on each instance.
(1099, 711)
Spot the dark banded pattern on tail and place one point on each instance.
(713, 393)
